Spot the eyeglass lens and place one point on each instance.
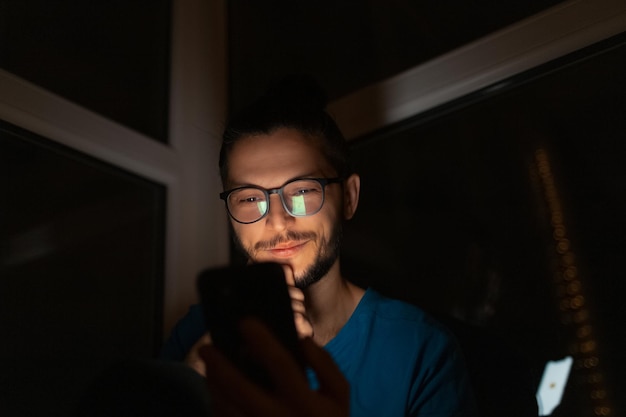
(300, 198)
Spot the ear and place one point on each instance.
(351, 189)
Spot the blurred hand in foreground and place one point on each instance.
(233, 394)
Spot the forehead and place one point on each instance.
(271, 160)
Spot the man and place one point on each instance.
(288, 188)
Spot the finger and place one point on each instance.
(297, 301)
(332, 382)
(304, 328)
(232, 392)
(303, 324)
(298, 306)
(288, 377)
(296, 293)
(193, 359)
(291, 384)
(289, 275)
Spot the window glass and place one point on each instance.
(111, 57)
(502, 213)
(81, 271)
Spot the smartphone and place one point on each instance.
(230, 294)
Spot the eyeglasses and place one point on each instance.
(300, 197)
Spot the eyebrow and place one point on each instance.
(297, 177)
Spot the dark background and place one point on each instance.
(454, 213)
(454, 217)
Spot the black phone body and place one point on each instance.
(230, 294)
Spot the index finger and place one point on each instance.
(289, 275)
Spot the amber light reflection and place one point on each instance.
(570, 291)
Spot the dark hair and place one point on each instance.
(296, 102)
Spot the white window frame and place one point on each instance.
(557, 31)
(196, 224)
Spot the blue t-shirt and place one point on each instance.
(398, 361)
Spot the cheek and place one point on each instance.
(246, 233)
(333, 213)
(324, 228)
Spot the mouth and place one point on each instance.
(287, 249)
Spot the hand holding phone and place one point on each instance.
(234, 394)
(259, 290)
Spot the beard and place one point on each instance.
(327, 253)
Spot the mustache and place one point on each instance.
(286, 237)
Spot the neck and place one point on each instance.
(329, 304)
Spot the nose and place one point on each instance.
(277, 218)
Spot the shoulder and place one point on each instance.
(193, 320)
(395, 325)
(184, 334)
(400, 313)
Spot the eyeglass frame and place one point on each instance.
(269, 191)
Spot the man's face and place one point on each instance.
(309, 245)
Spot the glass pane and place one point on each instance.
(81, 271)
(111, 57)
(361, 42)
(503, 214)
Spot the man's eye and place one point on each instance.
(253, 199)
(243, 199)
(302, 191)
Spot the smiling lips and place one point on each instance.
(286, 250)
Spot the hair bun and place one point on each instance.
(298, 90)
